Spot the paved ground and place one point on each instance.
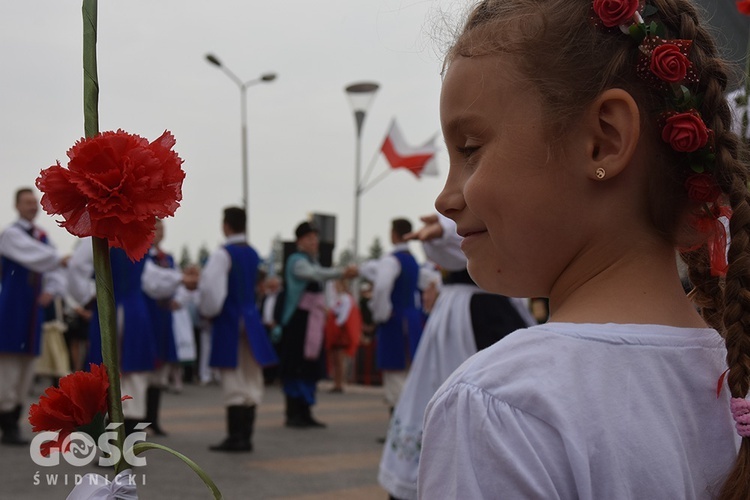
(339, 462)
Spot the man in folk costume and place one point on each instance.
(161, 314)
(138, 345)
(31, 277)
(302, 324)
(395, 306)
(240, 347)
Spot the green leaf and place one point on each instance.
(95, 428)
(140, 447)
(697, 168)
(649, 10)
(638, 32)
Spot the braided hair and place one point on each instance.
(586, 61)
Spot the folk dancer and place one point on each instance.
(31, 277)
(240, 347)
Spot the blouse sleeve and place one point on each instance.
(213, 283)
(476, 446)
(446, 250)
(160, 282)
(309, 271)
(27, 251)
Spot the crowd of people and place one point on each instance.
(592, 147)
(230, 322)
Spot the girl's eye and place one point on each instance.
(467, 151)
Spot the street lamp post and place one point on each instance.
(243, 86)
(360, 97)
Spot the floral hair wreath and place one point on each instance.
(664, 65)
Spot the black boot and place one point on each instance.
(128, 425)
(239, 437)
(249, 424)
(153, 399)
(10, 429)
(295, 413)
(308, 418)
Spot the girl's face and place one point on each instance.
(514, 200)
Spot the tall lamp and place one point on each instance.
(243, 86)
(360, 97)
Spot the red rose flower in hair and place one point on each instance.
(615, 12)
(702, 188)
(76, 403)
(115, 187)
(744, 7)
(669, 63)
(685, 132)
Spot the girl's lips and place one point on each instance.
(467, 234)
(470, 237)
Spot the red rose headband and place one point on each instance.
(665, 66)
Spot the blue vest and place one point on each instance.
(20, 315)
(240, 306)
(161, 314)
(397, 338)
(137, 341)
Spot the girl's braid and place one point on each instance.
(732, 300)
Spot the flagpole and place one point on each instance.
(370, 167)
(376, 180)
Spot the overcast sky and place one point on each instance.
(154, 76)
(301, 134)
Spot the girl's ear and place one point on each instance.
(611, 131)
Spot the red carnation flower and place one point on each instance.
(81, 396)
(685, 132)
(669, 63)
(702, 188)
(115, 187)
(744, 7)
(615, 12)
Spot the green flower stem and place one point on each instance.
(105, 296)
(105, 302)
(90, 74)
(139, 448)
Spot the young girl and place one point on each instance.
(342, 331)
(588, 141)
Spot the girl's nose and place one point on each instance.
(450, 201)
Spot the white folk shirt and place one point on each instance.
(583, 411)
(157, 282)
(43, 258)
(212, 290)
(382, 273)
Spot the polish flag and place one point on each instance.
(418, 160)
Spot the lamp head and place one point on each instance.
(213, 60)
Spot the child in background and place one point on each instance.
(342, 331)
(588, 141)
